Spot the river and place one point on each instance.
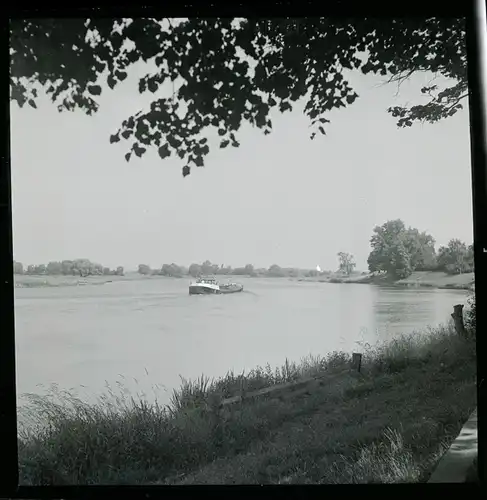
(144, 334)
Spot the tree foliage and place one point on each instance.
(171, 270)
(144, 269)
(76, 267)
(276, 271)
(195, 270)
(225, 72)
(399, 251)
(421, 249)
(18, 268)
(471, 315)
(389, 253)
(346, 263)
(456, 257)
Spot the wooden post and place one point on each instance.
(457, 316)
(356, 361)
(243, 391)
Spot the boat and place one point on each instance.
(231, 288)
(203, 286)
(207, 285)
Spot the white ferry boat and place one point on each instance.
(203, 286)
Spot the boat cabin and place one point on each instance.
(208, 281)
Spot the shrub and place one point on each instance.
(470, 315)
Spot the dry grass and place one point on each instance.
(388, 424)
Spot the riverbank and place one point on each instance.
(34, 281)
(430, 279)
(389, 423)
(439, 280)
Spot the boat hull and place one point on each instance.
(231, 289)
(202, 290)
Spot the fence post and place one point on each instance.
(356, 361)
(457, 316)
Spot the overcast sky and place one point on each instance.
(280, 198)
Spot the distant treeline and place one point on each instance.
(208, 268)
(77, 267)
(396, 250)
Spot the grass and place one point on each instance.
(391, 423)
(438, 279)
(429, 279)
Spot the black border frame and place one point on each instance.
(337, 8)
(477, 83)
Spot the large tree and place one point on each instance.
(225, 73)
(346, 263)
(389, 252)
(54, 268)
(144, 269)
(421, 248)
(398, 250)
(194, 270)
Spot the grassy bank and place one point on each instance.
(35, 281)
(390, 423)
(26, 281)
(32, 281)
(431, 279)
(439, 280)
(366, 278)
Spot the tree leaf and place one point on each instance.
(224, 143)
(285, 106)
(291, 64)
(351, 98)
(94, 89)
(111, 81)
(164, 151)
(139, 151)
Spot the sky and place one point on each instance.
(277, 199)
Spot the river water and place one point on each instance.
(144, 333)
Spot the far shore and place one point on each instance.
(429, 279)
(39, 281)
(433, 279)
